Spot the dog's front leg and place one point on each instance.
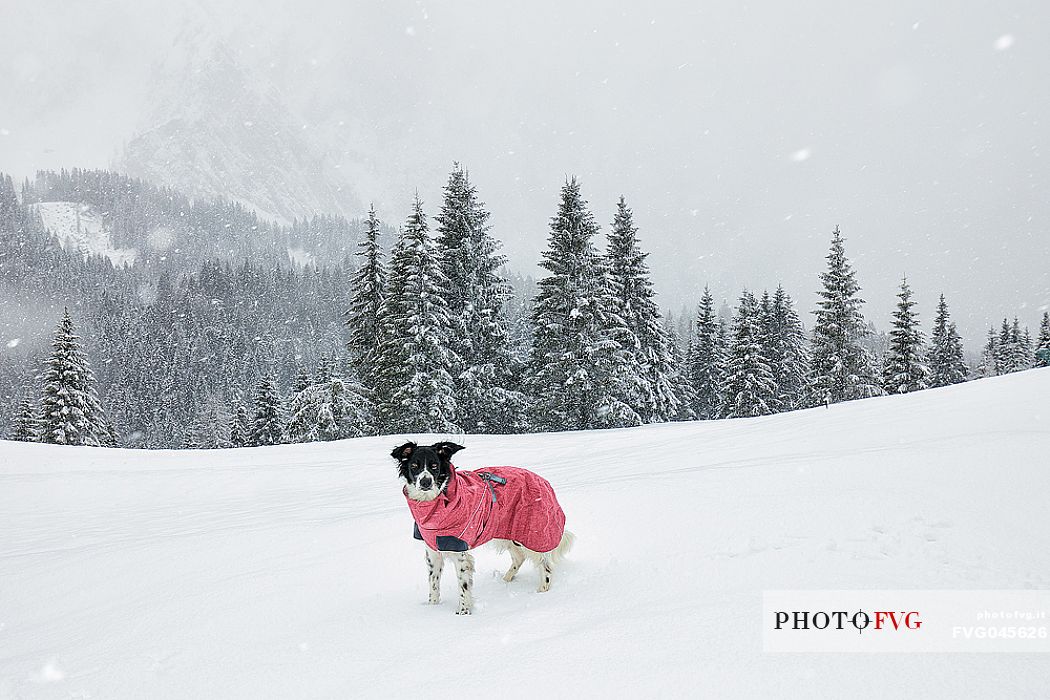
(517, 558)
(435, 563)
(465, 573)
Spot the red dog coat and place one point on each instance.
(497, 503)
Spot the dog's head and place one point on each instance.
(425, 470)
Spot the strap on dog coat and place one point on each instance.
(490, 479)
(445, 543)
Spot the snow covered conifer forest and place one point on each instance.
(218, 334)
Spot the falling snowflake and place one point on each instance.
(50, 673)
(13, 343)
(801, 155)
(1004, 42)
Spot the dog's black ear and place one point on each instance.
(404, 452)
(445, 450)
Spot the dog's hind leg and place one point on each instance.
(435, 563)
(465, 573)
(517, 556)
(546, 561)
(543, 563)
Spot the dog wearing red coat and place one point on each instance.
(457, 511)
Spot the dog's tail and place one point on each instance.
(558, 553)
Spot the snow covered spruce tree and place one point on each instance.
(578, 375)
(240, 425)
(211, 430)
(990, 355)
(296, 399)
(300, 416)
(364, 315)
(749, 388)
(904, 369)
(1005, 352)
(1042, 351)
(1013, 349)
(785, 348)
(680, 371)
(706, 361)
(647, 342)
(268, 419)
(842, 369)
(476, 294)
(26, 427)
(302, 381)
(416, 359)
(330, 407)
(947, 365)
(70, 410)
(1022, 347)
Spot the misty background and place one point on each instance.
(741, 135)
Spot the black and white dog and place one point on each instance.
(458, 511)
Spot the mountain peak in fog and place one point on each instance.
(215, 128)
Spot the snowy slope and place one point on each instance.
(290, 571)
(79, 227)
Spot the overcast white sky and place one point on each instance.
(740, 133)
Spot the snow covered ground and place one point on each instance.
(80, 227)
(291, 572)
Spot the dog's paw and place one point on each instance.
(543, 588)
(434, 601)
(509, 576)
(463, 610)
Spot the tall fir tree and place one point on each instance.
(240, 426)
(990, 355)
(391, 358)
(365, 311)
(651, 357)
(1006, 351)
(947, 364)
(70, 410)
(416, 357)
(842, 368)
(749, 388)
(706, 361)
(477, 294)
(1042, 351)
(576, 370)
(268, 419)
(680, 371)
(27, 426)
(1022, 347)
(786, 349)
(904, 369)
